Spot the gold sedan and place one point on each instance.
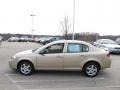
(62, 55)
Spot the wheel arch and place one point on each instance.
(25, 60)
(92, 61)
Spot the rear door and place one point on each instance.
(75, 53)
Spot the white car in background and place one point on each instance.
(13, 39)
(117, 41)
(62, 55)
(1, 37)
(1, 40)
(108, 45)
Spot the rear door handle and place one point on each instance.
(59, 56)
(82, 55)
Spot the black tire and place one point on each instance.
(91, 69)
(25, 68)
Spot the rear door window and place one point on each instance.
(77, 48)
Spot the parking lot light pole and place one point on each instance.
(73, 36)
(32, 15)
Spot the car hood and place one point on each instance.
(24, 52)
(112, 45)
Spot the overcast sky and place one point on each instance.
(101, 16)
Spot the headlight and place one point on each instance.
(106, 49)
(13, 57)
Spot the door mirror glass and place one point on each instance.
(43, 52)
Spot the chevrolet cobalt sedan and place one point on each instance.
(62, 55)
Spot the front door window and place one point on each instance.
(55, 48)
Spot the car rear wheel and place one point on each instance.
(91, 69)
(25, 68)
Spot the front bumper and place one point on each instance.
(12, 64)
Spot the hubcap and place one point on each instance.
(91, 70)
(25, 68)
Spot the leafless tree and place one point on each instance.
(65, 24)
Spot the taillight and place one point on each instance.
(108, 54)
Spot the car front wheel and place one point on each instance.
(25, 68)
(91, 69)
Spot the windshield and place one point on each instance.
(109, 42)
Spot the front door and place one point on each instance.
(52, 58)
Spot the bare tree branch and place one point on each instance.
(65, 24)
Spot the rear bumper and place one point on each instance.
(107, 64)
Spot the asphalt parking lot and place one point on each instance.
(53, 80)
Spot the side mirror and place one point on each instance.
(42, 52)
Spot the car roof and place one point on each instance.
(70, 41)
(105, 39)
